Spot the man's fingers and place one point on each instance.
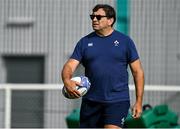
(75, 94)
(136, 114)
(133, 112)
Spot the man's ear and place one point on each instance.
(110, 21)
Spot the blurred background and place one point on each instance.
(38, 36)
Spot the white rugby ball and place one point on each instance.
(83, 88)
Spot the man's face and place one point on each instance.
(100, 21)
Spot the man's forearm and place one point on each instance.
(66, 73)
(139, 85)
(68, 69)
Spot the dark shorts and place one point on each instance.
(97, 114)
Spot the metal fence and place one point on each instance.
(56, 107)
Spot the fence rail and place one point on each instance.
(163, 94)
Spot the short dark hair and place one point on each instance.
(109, 10)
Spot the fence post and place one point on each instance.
(8, 93)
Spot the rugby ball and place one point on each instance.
(83, 88)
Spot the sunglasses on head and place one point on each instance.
(98, 17)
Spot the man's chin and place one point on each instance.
(96, 29)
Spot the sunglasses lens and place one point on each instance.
(98, 17)
(92, 17)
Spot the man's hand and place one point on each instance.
(137, 110)
(71, 88)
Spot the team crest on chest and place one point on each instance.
(116, 43)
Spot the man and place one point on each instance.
(105, 54)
